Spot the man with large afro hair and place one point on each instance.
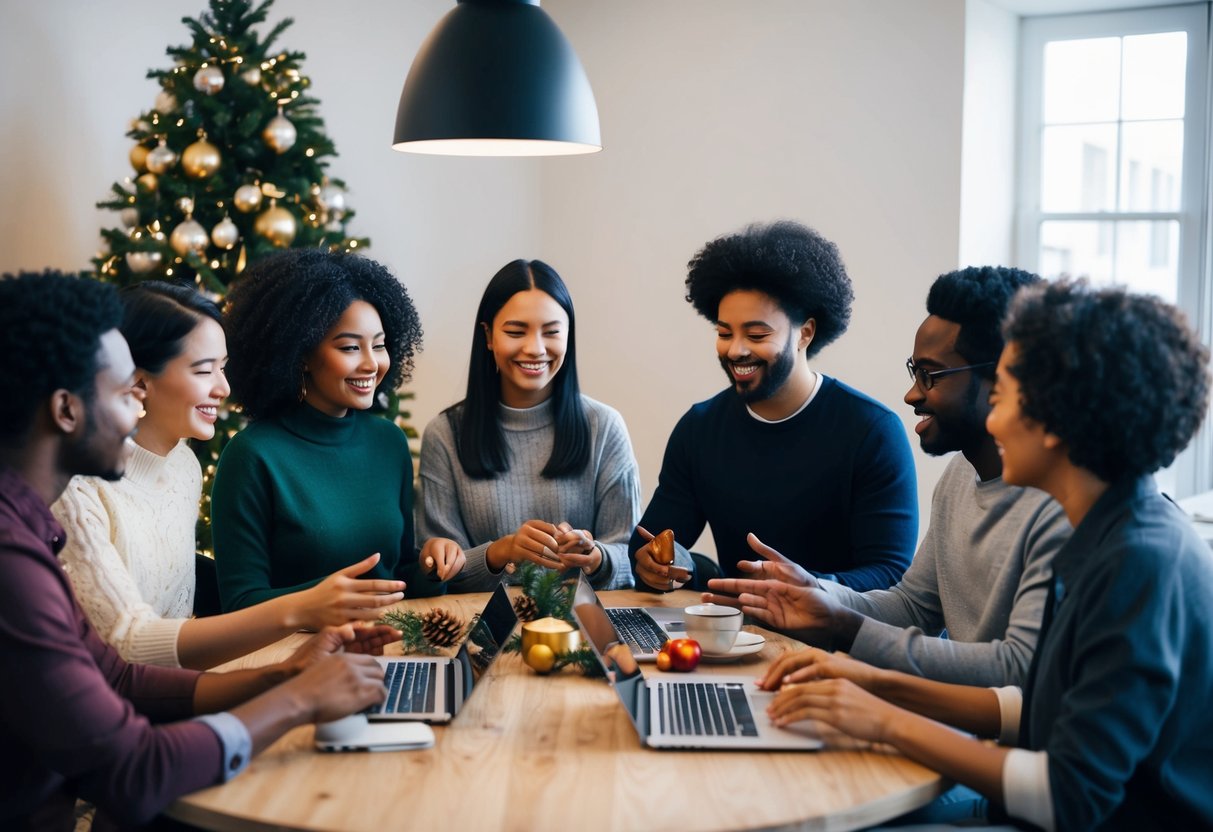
(811, 466)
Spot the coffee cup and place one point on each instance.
(715, 627)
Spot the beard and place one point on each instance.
(958, 431)
(772, 375)
(92, 456)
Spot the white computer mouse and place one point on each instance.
(341, 730)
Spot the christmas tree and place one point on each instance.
(230, 165)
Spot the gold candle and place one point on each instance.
(556, 635)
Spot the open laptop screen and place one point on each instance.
(487, 635)
(615, 657)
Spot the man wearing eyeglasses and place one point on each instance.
(968, 609)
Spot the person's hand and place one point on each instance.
(342, 597)
(351, 638)
(774, 566)
(839, 703)
(535, 541)
(337, 685)
(657, 575)
(811, 664)
(443, 557)
(577, 549)
(782, 606)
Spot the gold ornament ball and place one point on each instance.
(148, 182)
(251, 76)
(247, 199)
(188, 236)
(279, 134)
(138, 157)
(541, 658)
(160, 159)
(142, 262)
(130, 216)
(208, 79)
(276, 225)
(225, 234)
(200, 159)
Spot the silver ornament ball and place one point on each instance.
(142, 262)
(130, 217)
(160, 158)
(251, 76)
(188, 236)
(247, 199)
(208, 79)
(279, 134)
(225, 234)
(165, 103)
(333, 198)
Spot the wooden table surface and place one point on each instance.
(536, 753)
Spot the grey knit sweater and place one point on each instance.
(981, 573)
(604, 499)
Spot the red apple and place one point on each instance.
(684, 654)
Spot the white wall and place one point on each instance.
(987, 191)
(844, 115)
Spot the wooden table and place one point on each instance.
(535, 753)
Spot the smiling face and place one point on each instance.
(528, 338)
(182, 401)
(98, 446)
(757, 344)
(953, 412)
(1030, 454)
(343, 372)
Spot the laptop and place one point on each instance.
(433, 689)
(696, 711)
(646, 629)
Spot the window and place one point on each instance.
(1114, 175)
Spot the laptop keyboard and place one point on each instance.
(410, 688)
(637, 630)
(704, 709)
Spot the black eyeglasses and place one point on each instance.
(925, 379)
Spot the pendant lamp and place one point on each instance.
(497, 78)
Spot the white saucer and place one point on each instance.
(747, 644)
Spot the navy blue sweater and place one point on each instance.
(1120, 693)
(833, 488)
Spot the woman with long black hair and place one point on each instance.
(526, 468)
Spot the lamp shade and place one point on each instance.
(497, 78)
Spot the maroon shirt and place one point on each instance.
(76, 720)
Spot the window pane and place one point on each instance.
(1082, 80)
(1076, 249)
(1151, 165)
(1154, 75)
(1147, 257)
(1078, 168)
(1144, 256)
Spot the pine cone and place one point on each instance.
(525, 608)
(441, 628)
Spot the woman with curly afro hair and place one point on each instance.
(316, 483)
(1095, 391)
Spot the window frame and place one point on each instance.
(1194, 468)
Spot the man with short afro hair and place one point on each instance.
(802, 461)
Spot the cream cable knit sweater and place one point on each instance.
(130, 548)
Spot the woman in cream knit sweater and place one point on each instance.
(130, 549)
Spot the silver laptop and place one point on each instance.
(432, 689)
(646, 629)
(697, 711)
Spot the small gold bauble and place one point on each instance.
(540, 658)
(188, 236)
(142, 262)
(247, 199)
(148, 182)
(276, 225)
(160, 158)
(225, 234)
(251, 76)
(279, 134)
(200, 159)
(130, 216)
(138, 157)
(208, 79)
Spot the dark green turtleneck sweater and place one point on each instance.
(300, 496)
